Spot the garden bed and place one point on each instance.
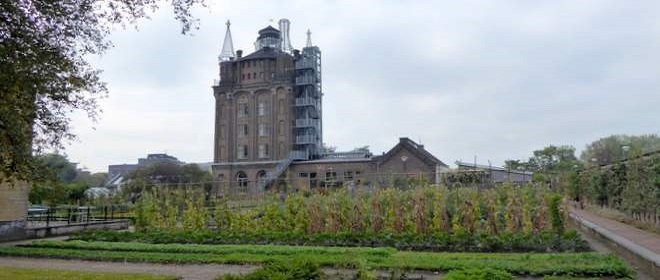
(53, 274)
(533, 264)
(544, 242)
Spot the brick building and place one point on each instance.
(269, 129)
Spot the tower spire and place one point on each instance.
(227, 52)
(309, 38)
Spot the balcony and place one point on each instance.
(305, 139)
(305, 64)
(305, 80)
(306, 101)
(307, 123)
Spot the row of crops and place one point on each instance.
(503, 219)
(422, 210)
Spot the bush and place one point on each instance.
(282, 271)
(478, 274)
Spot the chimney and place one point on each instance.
(284, 34)
(239, 53)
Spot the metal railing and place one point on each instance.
(305, 80)
(305, 139)
(306, 101)
(305, 63)
(76, 215)
(307, 122)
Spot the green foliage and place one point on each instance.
(195, 214)
(553, 158)
(15, 273)
(612, 149)
(166, 175)
(441, 217)
(485, 242)
(556, 213)
(537, 264)
(282, 271)
(45, 74)
(631, 187)
(478, 274)
(61, 182)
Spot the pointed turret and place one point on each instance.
(309, 38)
(227, 52)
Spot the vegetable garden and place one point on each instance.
(494, 232)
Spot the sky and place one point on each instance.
(491, 79)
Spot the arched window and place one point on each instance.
(242, 182)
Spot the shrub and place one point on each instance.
(282, 271)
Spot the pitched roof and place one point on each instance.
(417, 149)
(265, 52)
(269, 29)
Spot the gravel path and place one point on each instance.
(187, 272)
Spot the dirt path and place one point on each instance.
(187, 272)
(648, 240)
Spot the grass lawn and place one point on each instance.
(537, 264)
(52, 274)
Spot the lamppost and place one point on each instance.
(625, 149)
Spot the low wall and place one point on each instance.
(13, 210)
(57, 230)
(645, 259)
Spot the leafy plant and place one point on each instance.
(478, 274)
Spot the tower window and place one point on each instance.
(243, 110)
(242, 152)
(263, 129)
(262, 109)
(263, 150)
(244, 130)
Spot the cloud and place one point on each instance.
(492, 79)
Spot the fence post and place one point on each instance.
(112, 212)
(105, 212)
(68, 216)
(48, 216)
(88, 208)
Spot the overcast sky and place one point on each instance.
(495, 79)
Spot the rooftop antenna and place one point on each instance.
(227, 52)
(309, 38)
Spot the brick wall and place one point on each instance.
(13, 210)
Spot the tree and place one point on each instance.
(327, 149)
(517, 164)
(612, 149)
(44, 72)
(166, 174)
(61, 182)
(363, 149)
(554, 159)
